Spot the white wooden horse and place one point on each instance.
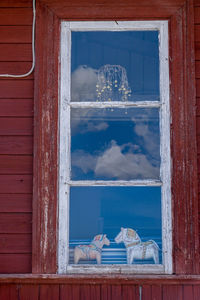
(92, 251)
(136, 249)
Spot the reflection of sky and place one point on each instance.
(115, 143)
(136, 51)
(97, 210)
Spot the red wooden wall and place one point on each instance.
(16, 148)
(16, 130)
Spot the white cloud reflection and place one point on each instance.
(114, 163)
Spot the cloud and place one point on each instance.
(83, 84)
(92, 127)
(114, 163)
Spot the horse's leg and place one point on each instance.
(76, 255)
(129, 257)
(98, 258)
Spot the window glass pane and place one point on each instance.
(115, 143)
(115, 66)
(104, 210)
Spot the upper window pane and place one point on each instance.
(115, 66)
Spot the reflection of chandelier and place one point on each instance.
(112, 84)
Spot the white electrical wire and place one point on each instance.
(33, 50)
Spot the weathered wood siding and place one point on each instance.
(16, 146)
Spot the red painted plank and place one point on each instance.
(14, 3)
(29, 292)
(16, 68)
(156, 292)
(8, 292)
(16, 145)
(16, 126)
(188, 292)
(197, 33)
(15, 223)
(49, 292)
(172, 292)
(106, 292)
(19, 88)
(198, 87)
(15, 243)
(197, 69)
(21, 184)
(15, 164)
(85, 292)
(16, 107)
(128, 292)
(16, 16)
(15, 52)
(95, 292)
(197, 15)
(15, 203)
(196, 291)
(70, 292)
(197, 50)
(196, 3)
(16, 34)
(146, 292)
(116, 292)
(15, 263)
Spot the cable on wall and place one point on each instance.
(33, 50)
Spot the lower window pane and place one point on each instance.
(134, 212)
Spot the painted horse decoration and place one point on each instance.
(135, 249)
(92, 251)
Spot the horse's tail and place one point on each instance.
(155, 244)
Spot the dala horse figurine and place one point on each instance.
(135, 249)
(92, 251)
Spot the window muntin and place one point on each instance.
(69, 184)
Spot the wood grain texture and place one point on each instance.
(29, 292)
(174, 292)
(15, 203)
(15, 263)
(16, 34)
(15, 243)
(188, 292)
(184, 183)
(16, 126)
(8, 292)
(16, 88)
(16, 145)
(129, 292)
(15, 222)
(16, 68)
(69, 292)
(16, 107)
(16, 164)
(19, 184)
(16, 16)
(14, 3)
(45, 144)
(49, 292)
(15, 52)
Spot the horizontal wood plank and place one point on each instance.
(16, 88)
(16, 144)
(15, 52)
(16, 68)
(15, 203)
(16, 34)
(16, 16)
(16, 107)
(14, 3)
(16, 126)
(16, 184)
(15, 222)
(15, 263)
(15, 243)
(15, 164)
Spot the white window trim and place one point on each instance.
(65, 146)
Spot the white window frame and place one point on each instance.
(65, 147)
